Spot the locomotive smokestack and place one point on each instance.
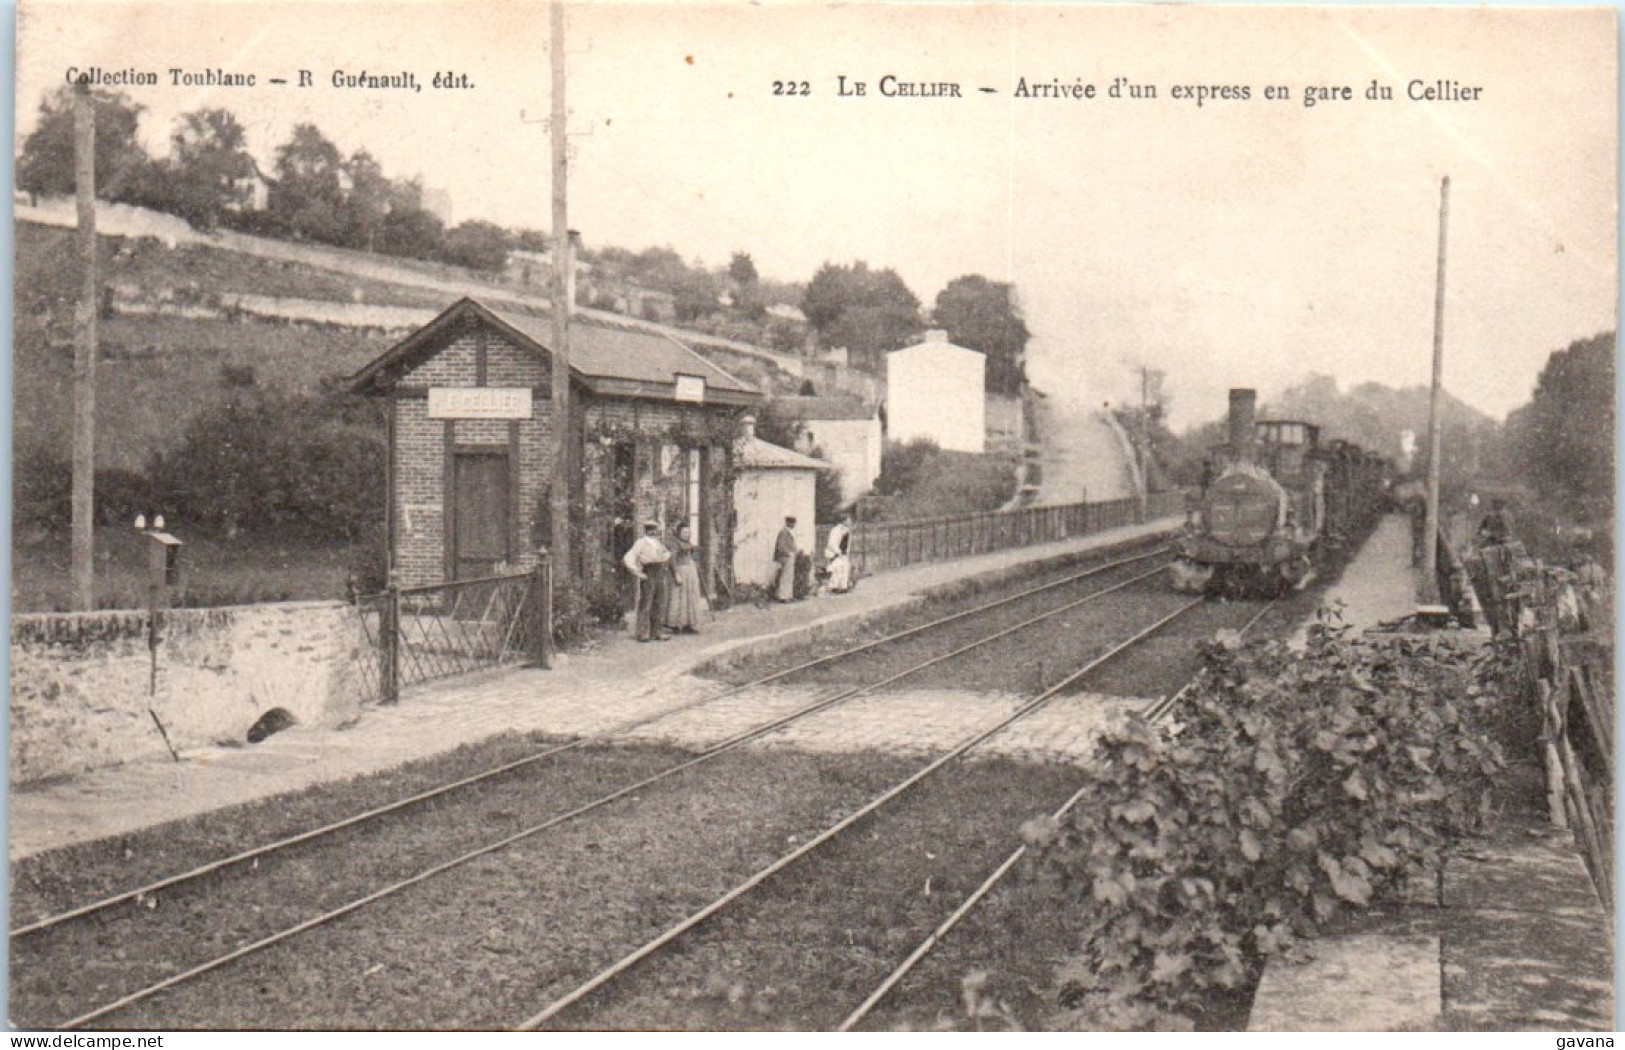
(1243, 413)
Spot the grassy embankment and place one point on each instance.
(156, 373)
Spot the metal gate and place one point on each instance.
(420, 634)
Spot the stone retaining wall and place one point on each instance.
(84, 693)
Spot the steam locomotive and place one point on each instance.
(1274, 499)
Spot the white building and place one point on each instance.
(846, 432)
(772, 483)
(934, 390)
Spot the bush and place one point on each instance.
(478, 245)
(608, 601)
(121, 495)
(1298, 785)
(42, 492)
(41, 488)
(269, 462)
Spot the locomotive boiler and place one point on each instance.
(1273, 500)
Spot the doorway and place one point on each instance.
(481, 489)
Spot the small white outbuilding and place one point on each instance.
(935, 390)
(772, 483)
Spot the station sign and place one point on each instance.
(690, 388)
(479, 402)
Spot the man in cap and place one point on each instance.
(647, 560)
(784, 555)
(1494, 530)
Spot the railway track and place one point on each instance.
(147, 893)
(244, 857)
(671, 934)
(1158, 711)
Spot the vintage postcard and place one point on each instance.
(879, 516)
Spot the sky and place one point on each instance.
(1231, 243)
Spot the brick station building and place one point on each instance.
(651, 436)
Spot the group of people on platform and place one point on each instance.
(668, 577)
(837, 554)
(668, 583)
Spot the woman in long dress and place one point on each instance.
(683, 610)
(840, 558)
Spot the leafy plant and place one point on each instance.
(1296, 786)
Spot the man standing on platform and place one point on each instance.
(784, 555)
(647, 561)
(1494, 530)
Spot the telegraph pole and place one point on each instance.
(1145, 440)
(84, 358)
(1430, 528)
(563, 260)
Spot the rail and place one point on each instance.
(440, 630)
(1560, 623)
(881, 546)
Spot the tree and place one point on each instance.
(742, 270)
(46, 163)
(696, 295)
(1564, 436)
(659, 268)
(478, 245)
(536, 241)
(983, 315)
(870, 312)
(410, 229)
(209, 167)
(745, 286)
(367, 204)
(308, 197)
(827, 497)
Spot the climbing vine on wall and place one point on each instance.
(688, 430)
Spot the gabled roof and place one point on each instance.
(935, 342)
(609, 359)
(824, 408)
(756, 454)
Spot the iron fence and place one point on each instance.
(420, 634)
(879, 546)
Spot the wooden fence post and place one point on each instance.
(1551, 734)
(540, 600)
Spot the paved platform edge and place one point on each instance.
(723, 654)
(731, 653)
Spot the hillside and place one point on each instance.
(156, 371)
(186, 317)
(1377, 417)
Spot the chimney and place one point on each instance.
(750, 426)
(935, 335)
(1243, 414)
(570, 270)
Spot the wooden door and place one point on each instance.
(480, 502)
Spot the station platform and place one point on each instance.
(588, 691)
(1509, 934)
(1379, 584)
